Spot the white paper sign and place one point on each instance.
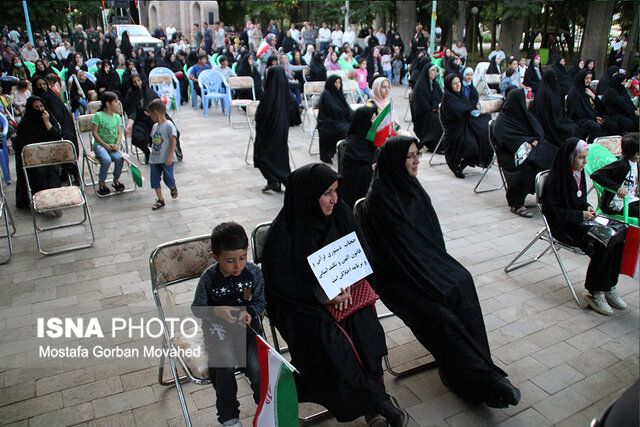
(340, 264)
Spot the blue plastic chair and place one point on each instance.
(90, 76)
(192, 90)
(92, 62)
(4, 152)
(214, 86)
(161, 88)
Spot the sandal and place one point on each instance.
(157, 205)
(521, 211)
(118, 186)
(174, 192)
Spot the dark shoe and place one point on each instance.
(375, 420)
(521, 211)
(271, 187)
(459, 174)
(507, 392)
(157, 205)
(118, 186)
(395, 415)
(103, 191)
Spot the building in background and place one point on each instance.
(182, 15)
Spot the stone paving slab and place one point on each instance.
(569, 363)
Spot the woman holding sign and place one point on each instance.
(340, 361)
(425, 286)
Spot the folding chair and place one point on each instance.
(340, 73)
(258, 239)
(4, 150)
(340, 147)
(240, 82)
(408, 110)
(545, 235)
(213, 86)
(54, 199)
(5, 213)
(490, 106)
(497, 161)
(252, 107)
(435, 151)
(357, 212)
(312, 91)
(352, 91)
(172, 263)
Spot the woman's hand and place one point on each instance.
(590, 93)
(589, 214)
(342, 301)
(45, 117)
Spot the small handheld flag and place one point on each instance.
(382, 127)
(136, 173)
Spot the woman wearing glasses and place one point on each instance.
(425, 286)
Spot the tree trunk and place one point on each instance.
(462, 10)
(494, 25)
(480, 42)
(632, 41)
(596, 33)
(545, 37)
(511, 36)
(406, 21)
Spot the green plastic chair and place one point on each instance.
(58, 72)
(93, 70)
(597, 158)
(234, 66)
(290, 56)
(30, 66)
(120, 72)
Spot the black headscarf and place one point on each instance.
(579, 104)
(288, 43)
(560, 201)
(493, 66)
(317, 70)
(604, 82)
(358, 156)
(617, 101)
(136, 102)
(330, 373)
(125, 45)
(564, 82)
(271, 153)
(586, 65)
(574, 70)
(57, 109)
(108, 48)
(548, 109)
(531, 78)
(334, 116)
(425, 102)
(110, 80)
(417, 67)
(451, 67)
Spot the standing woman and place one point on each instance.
(565, 206)
(533, 75)
(334, 117)
(374, 65)
(548, 107)
(125, 45)
(425, 105)
(421, 283)
(139, 123)
(340, 363)
(466, 139)
(620, 108)
(271, 149)
(582, 109)
(108, 48)
(359, 157)
(37, 125)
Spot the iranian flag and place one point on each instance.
(262, 48)
(630, 259)
(383, 126)
(278, 397)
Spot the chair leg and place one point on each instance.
(475, 189)
(435, 151)
(246, 155)
(566, 276)
(313, 135)
(293, 162)
(8, 219)
(410, 371)
(514, 265)
(406, 112)
(205, 106)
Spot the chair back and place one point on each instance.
(490, 105)
(48, 153)
(492, 78)
(252, 107)
(85, 123)
(541, 179)
(180, 260)
(341, 73)
(258, 239)
(92, 62)
(340, 147)
(4, 124)
(242, 82)
(90, 76)
(597, 158)
(159, 79)
(313, 88)
(357, 209)
(613, 143)
(480, 70)
(350, 87)
(212, 82)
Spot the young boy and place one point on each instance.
(621, 175)
(231, 286)
(163, 146)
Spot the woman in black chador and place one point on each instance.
(317, 70)
(425, 103)
(359, 155)
(466, 140)
(582, 109)
(139, 124)
(271, 153)
(37, 125)
(514, 127)
(533, 75)
(347, 383)
(334, 117)
(618, 104)
(421, 283)
(564, 81)
(548, 107)
(605, 81)
(565, 206)
(246, 67)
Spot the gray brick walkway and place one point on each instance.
(569, 363)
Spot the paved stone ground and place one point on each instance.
(569, 363)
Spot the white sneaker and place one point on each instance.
(232, 423)
(614, 299)
(598, 302)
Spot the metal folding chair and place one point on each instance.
(252, 107)
(490, 106)
(4, 150)
(236, 83)
(357, 212)
(312, 90)
(5, 213)
(545, 235)
(352, 91)
(435, 151)
(55, 199)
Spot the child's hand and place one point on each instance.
(244, 320)
(169, 161)
(621, 192)
(228, 314)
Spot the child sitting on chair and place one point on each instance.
(621, 175)
(235, 291)
(20, 97)
(107, 136)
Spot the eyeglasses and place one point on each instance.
(414, 156)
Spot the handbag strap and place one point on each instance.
(353, 347)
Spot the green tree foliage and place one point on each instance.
(42, 15)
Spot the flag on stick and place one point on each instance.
(382, 127)
(278, 405)
(136, 173)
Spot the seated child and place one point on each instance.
(229, 285)
(621, 175)
(107, 136)
(20, 97)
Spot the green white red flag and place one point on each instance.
(630, 259)
(278, 405)
(383, 126)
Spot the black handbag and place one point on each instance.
(610, 234)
